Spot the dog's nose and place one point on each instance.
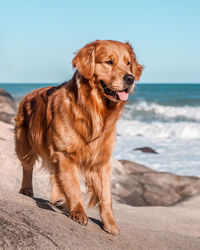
(128, 79)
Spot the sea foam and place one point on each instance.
(145, 110)
(181, 130)
(173, 131)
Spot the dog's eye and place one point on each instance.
(128, 63)
(110, 62)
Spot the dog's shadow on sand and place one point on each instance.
(45, 204)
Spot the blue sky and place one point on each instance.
(38, 37)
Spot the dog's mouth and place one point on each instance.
(118, 95)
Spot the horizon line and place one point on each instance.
(66, 81)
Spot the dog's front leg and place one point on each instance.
(106, 202)
(68, 180)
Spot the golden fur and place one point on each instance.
(72, 127)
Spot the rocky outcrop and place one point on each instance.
(138, 185)
(27, 223)
(7, 107)
(146, 150)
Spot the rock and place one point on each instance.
(8, 107)
(146, 150)
(27, 223)
(138, 185)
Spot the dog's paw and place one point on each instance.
(79, 216)
(26, 191)
(111, 228)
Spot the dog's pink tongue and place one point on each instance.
(123, 96)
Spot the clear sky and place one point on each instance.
(38, 37)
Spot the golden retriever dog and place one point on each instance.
(72, 128)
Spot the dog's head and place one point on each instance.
(112, 65)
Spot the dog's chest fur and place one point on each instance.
(85, 135)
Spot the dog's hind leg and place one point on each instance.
(27, 156)
(27, 187)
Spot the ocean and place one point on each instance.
(165, 117)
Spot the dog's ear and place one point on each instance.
(84, 61)
(136, 68)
